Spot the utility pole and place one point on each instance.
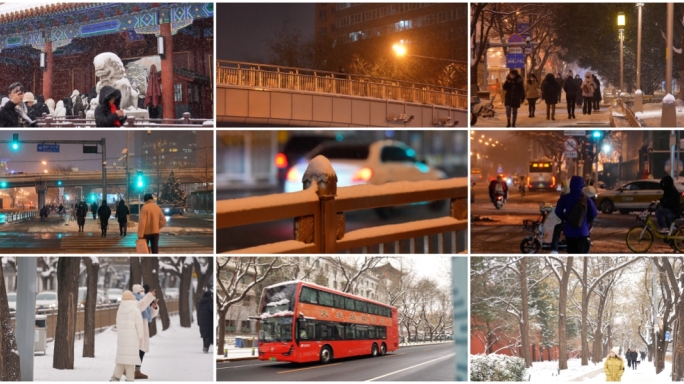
(128, 175)
(104, 171)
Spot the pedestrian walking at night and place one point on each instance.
(578, 212)
(122, 213)
(81, 213)
(108, 113)
(205, 315)
(532, 93)
(515, 94)
(597, 93)
(93, 209)
(614, 366)
(150, 222)
(147, 304)
(8, 111)
(129, 333)
(588, 87)
(578, 84)
(104, 212)
(559, 81)
(550, 91)
(571, 89)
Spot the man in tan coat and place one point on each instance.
(151, 221)
(149, 310)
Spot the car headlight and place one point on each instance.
(166, 210)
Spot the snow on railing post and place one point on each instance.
(327, 226)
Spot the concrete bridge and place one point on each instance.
(266, 95)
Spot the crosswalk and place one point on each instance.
(90, 242)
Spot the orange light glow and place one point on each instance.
(293, 175)
(281, 160)
(364, 174)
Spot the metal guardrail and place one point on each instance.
(300, 79)
(631, 118)
(131, 122)
(14, 217)
(319, 222)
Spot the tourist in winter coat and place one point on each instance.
(122, 213)
(129, 333)
(150, 223)
(515, 94)
(578, 84)
(670, 206)
(628, 357)
(50, 103)
(147, 305)
(79, 108)
(68, 106)
(40, 107)
(587, 88)
(8, 111)
(597, 93)
(571, 89)
(108, 113)
(205, 315)
(550, 92)
(60, 110)
(614, 366)
(104, 212)
(532, 93)
(577, 238)
(81, 213)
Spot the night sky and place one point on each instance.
(242, 30)
(28, 159)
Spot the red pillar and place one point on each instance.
(47, 74)
(168, 104)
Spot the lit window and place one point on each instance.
(178, 92)
(173, 149)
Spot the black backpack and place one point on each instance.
(578, 213)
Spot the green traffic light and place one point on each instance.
(3, 184)
(59, 182)
(15, 146)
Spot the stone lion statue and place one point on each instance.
(110, 70)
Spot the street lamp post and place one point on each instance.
(621, 26)
(638, 97)
(669, 114)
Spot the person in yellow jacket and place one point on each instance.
(151, 220)
(614, 366)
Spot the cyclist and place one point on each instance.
(669, 208)
(498, 186)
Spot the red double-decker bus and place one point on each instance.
(304, 322)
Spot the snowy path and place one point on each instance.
(548, 371)
(645, 373)
(175, 355)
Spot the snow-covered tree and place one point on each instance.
(172, 192)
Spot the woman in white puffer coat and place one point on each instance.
(130, 331)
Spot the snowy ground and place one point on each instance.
(175, 355)
(548, 370)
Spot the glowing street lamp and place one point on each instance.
(621, 20)
(399, 49)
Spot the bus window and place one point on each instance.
(362, 332)
(308, 295)
(323, 331)
(338, 301)
(361, 306)
(307, 330)
(276, 329)
(371, 332)
(338, 332)
(325, 298)
(382, 332)
(349, 304)
(350, 331)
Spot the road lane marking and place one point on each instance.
(417, 365)
(240, 366)
(304, 369)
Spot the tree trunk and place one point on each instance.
(525, 324)
(562, 317)
(136, 272)
(67, 299)
(150, 272)
(678, 352)
(597, 353)
(660, 352)
(92, 270)
(203, 279)
(221, 334)
(184, 295)
(585, 310)
(9, 358)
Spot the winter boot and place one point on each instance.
(205, 350)
(115, 379)
(140, 376)
(509, 123)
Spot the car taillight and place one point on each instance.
(528, 182)
(281, 160)
(293, 175)
(553, 181)
(363, 174)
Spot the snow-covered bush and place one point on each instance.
(496, 367)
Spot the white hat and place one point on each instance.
(28, 97)
(127, 295)
(137, 288)
(616, 350)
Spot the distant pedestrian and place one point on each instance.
(559, 81)
(532, 93)
(205, 315)
(597, 93)
(93, 208)
(578, 84)
(129, 333)
(550, 91)
(588, 87)
(122, 213)
(104, 212)
(81, 213)
(628, 357)
(571, 89)
(515, 94)
(150, 222)
(614, 366)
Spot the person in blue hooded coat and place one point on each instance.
(577, 238)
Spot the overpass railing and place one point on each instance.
(131, 122)
(319, 221)
(19, 216)
(299, 79)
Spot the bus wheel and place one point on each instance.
(374, 350)
(383, 349)
(326, 355)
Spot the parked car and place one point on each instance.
(632, 196)
(114, 295)
(12, 301)
(295, 149)
(83, 293)
(170, 210)
(46, 300)
(171, 293)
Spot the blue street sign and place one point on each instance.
(523, 27)
(515, 38)
(515, 60)
(667, 335)
(48, 147)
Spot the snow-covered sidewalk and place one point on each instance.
(548, 371)
(175, 355)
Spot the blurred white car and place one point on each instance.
(12, 301)
(114, 295)
(83, 293)
(46, 300)
(358, 163)
(171, 293)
